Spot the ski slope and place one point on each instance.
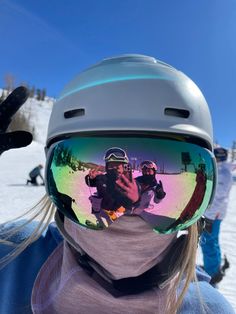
(16, 197)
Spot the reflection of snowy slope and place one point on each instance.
(173, 185)
(78, 189)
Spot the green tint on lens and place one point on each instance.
(94, 193)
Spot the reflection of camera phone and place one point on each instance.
(128, 171)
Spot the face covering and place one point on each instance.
(148, 179)
(128, 248)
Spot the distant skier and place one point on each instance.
(36, 172)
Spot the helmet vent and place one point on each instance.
(74, 113)
(175, 112)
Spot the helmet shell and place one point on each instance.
(132, 93)
(149, 164)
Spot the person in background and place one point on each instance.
(213, 216)
(34, 174)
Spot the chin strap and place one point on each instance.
(157, 276)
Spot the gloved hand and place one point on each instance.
(8, 108)
(159, 191)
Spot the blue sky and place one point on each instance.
(46, 43)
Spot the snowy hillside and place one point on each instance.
(16, 197)
(228, 245)
(15, 165)
(38, 113)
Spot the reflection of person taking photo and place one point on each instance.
(116, 188)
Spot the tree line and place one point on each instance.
(9, 85)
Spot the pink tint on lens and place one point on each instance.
(179, 189)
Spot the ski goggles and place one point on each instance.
(148, 165)
(115, 154)
(81, 187)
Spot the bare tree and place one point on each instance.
(233, 151)
(43, 94)
(9, 82)
(32, 92)
(38, 94)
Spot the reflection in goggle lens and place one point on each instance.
(95, 192)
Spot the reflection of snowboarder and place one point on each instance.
(150, 188)
(116, 188)
(66, 201)
(34, 174)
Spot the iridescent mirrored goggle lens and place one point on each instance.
(115, 157)
(115, 152)
(94, 193)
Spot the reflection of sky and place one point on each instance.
(166, 153)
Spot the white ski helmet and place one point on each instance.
(148, 164)
(134, 93)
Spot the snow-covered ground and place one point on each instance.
(16, 197)
(228, 242)
(228, 245)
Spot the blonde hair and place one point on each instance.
(184, 267)
(43, 212)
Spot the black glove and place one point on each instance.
(8, 108)
(160, 194)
